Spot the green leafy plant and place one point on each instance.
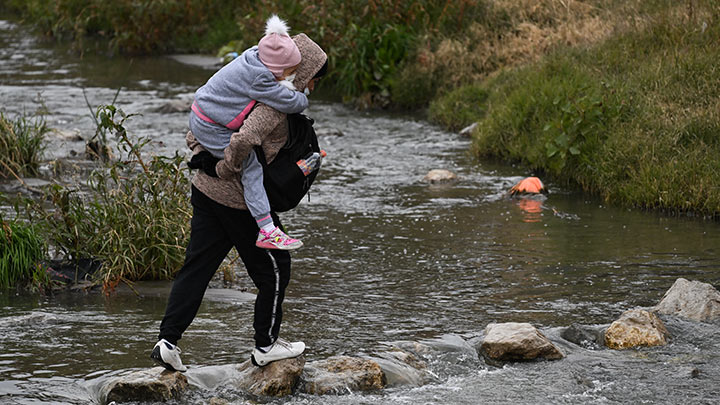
(578, 118)
(97, 147)
(378, 50)
(134, 216)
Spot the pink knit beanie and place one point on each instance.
(277, 50)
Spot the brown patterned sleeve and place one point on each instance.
(257, 126)
(193, 143)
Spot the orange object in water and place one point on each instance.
(528, 185)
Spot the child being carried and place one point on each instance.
(263, 73)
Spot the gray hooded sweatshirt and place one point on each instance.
(228, 96)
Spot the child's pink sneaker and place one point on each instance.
(277, 239)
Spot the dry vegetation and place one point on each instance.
(526, 30)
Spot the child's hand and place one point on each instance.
(204, 161)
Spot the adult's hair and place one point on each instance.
(323, 71)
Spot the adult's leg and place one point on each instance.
(208, 246)
(271, 295)
(269, 270)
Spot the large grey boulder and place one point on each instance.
(277, 379)
(634, 328)
(342, 374)
(691, 299)
(514, 341)
(150, 385)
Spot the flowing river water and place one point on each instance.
(387, 259)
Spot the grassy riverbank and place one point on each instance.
(634, 119)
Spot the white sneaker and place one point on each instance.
(280, 350)
(167, 355)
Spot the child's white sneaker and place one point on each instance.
(167, 355)
(277, 239)
(280, 350)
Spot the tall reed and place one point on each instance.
(21, 145)
(21, 250)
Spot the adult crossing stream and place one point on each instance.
(387, 259)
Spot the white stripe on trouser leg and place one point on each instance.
(275, 301)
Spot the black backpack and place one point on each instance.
(285, 183)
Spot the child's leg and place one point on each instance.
(254, 192)
(270, 236)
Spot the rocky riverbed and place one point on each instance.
(499, 344)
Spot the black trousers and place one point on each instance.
(215, 229)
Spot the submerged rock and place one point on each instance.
(154, 384)
(403, 368)
(514, 341)
(688, 372)
(323, 132)
(203, 61)
(341, 374)
(584, 336)
(636, 327)
(95, 150)
(691, 299)
(68, 135)
(440, 176)
(468, 130)
(77, 272)
(277, 379)
(175, 106)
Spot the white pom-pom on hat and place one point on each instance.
(275, 25)
(277, 50)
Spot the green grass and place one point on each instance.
(460, 108)
(633, 119)
(21, 250)
(21, 145)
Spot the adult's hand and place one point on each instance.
(205, 162)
